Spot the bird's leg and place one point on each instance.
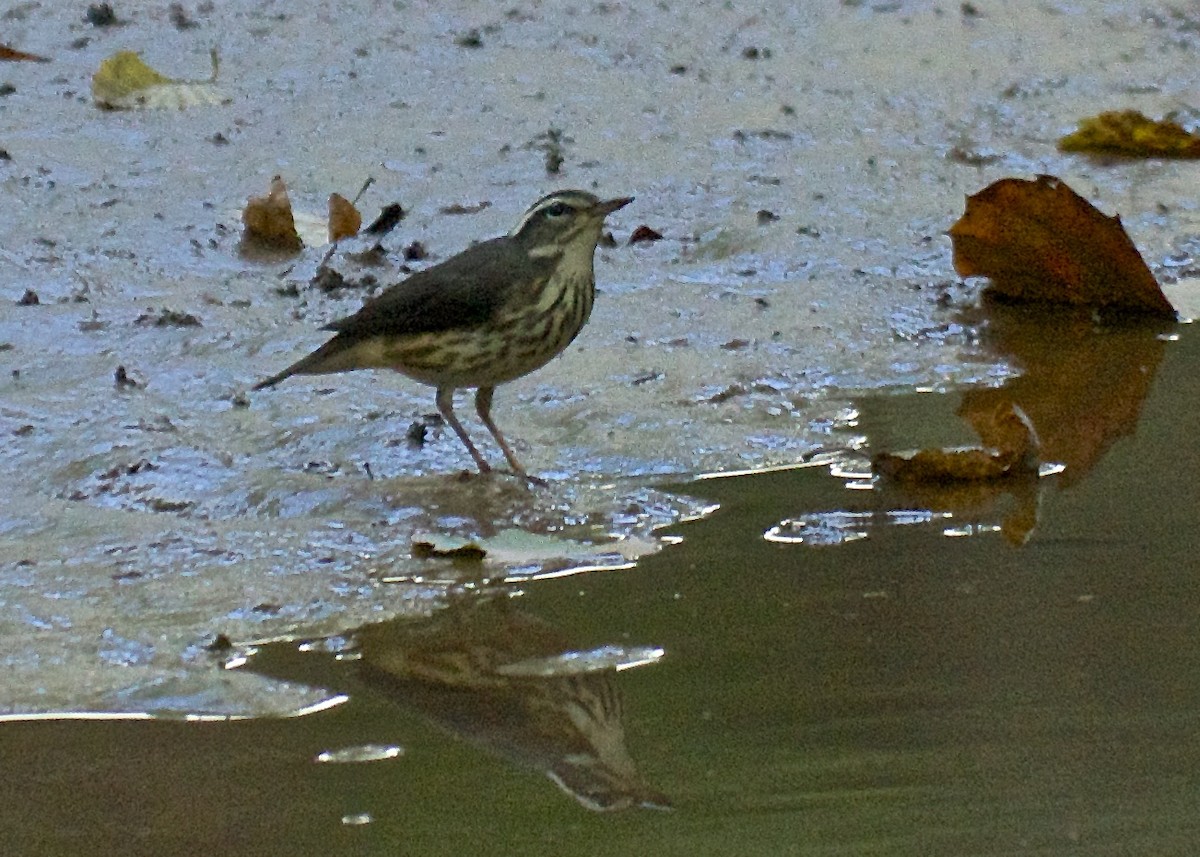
(483, 407)
(445, 406)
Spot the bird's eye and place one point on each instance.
(557, 210)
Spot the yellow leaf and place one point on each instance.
(1128, 132)
(125, 82)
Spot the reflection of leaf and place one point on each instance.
(125, 82)
(1082, 387)
(1012, 449)
(13, 55)
(1128, 132)
(953, 464)
(966, 479)
(1041, 241)
(268, 221)
(344, 219)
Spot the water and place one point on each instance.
(1004, 670)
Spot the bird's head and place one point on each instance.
(565, 219)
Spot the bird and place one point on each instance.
(493, 313)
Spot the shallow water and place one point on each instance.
(847, 668)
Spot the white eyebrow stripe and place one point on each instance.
(575, 201)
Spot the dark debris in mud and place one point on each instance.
(470, 39)
(752, 52)
(553, 144)
(122, 381)
(167, 318)
(179, 17)
(332, 282)
(458, 208)
(762, 134)
(387, 220)
(470, 552)
(219, 644)
(102, 15)
(374, 256)
(416, 433)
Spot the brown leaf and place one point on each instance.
(344, 219)
(1040, 241)
(644, 233)
(1128, 132)
(268, 220)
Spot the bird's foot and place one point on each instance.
(531, 480)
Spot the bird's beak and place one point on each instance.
(607, 208)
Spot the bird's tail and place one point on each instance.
(328, 358)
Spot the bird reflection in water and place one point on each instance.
(510, 683)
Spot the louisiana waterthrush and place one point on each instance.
(489, 315)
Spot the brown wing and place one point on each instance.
(463, 291)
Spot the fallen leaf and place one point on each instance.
(344, 219)
(268, 221)
(644, 233)
(125, 82)
(1128, 132)
(1039, 241)
(13, 55)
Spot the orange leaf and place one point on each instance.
(269, 222)
(344, 219)
(1040, 241)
